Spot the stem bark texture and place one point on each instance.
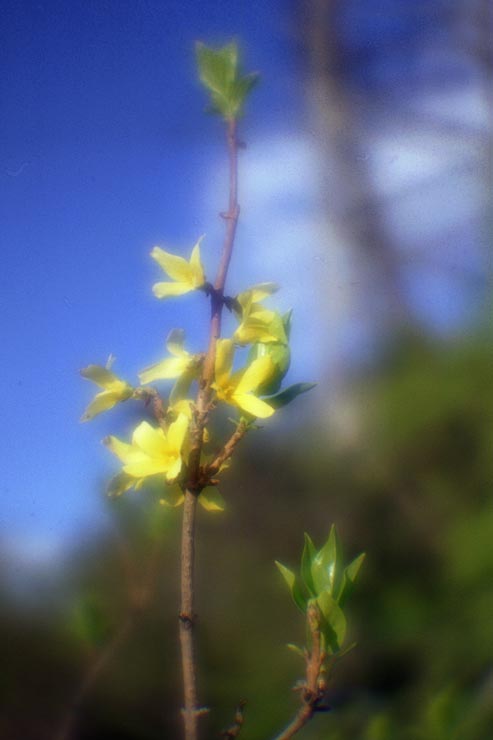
(191, 709)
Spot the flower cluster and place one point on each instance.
(253, 389)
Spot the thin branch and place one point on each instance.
(67, 726)
(238, 722)
(314, 688)
(140, 592)
(214, 467)
(194, 484)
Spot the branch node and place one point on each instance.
(187, 619)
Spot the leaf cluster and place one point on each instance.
(220, 74)
(326, 583)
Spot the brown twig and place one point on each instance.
(239, 719)
(194, 484)
(313, 690)
(140, 592)
(214, 467)
(67, 726)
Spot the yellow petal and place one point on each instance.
(172, 367)
(175, 342)
(181, 388)
(183, 407)
(172, 497)
(255, 294)
(224, 360)
(104, 401)
(251, 331)
(140, 465)
(257, 373)
(262, 290)
(167, 290)
(121, 449)
(150, 440)
(119, 484)
(196, 265)
(102, 377)
(253, 405)
(176, 267)
(211, 499)
(177, 432)
(174, 469)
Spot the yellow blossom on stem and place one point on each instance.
(185, 275)
(257, 323)
(114, 390)
(152, 450)
(239, 388)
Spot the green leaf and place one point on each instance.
(289, 394)
(309, 553)
(219, 73)
(334, 621)
(217, 67)
(293, 585)
(349, 577)
(326, 564)
(346, 650)
(280, 355)
(286, 320)
(296, 649)
(211, 499)
(242, 89)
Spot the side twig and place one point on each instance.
(238, 722)
(313, 690)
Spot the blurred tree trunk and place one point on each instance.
(348, 188)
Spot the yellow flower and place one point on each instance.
(152, 451)
(115, 390)
(172, 367)
(186, 276)
(258, 324)
(239, 388)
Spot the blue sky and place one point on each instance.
(106, 152)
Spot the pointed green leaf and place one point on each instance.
(334, 621)
(346, 650)
(242, 88)
(349, 577)
(219, 73)
(289, 394)
(286, 320)
(280, 355)
(296, 649)
(309, 553)
(217, 67)
(327, 563)
(293, 585)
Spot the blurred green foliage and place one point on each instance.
(412, 488)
